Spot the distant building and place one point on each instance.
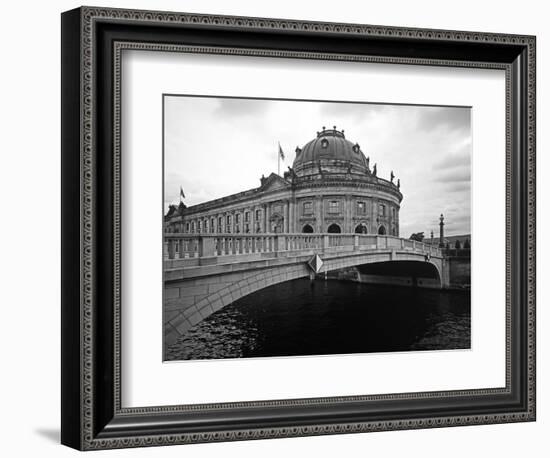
(450, 240)
(330, 188)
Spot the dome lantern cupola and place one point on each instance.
(331, 151)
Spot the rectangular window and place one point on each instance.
(258, 214)
(382, 210)
(198, 226)
(186, 227)
(361, 208)
(334, 206)
(237, 218)
(247, 216)
(228, 220)
(308, 208)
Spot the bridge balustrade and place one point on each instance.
(178, 245)
(341, 240)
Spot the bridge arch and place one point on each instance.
(193, 291)
(178, 324)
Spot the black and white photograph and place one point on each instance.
(308, 227)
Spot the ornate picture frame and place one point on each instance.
(93, 416)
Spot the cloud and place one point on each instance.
(228, 108)
(457, 174)
(460, 157)
(464, 186)
(449, 118)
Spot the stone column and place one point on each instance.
(267, 216)
(295, 215)
(374, 216)
(319, 213)
(291, 228)
(285, 213)
(347, 219)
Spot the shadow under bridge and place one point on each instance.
(401, 273)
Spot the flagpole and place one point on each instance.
(279, 161)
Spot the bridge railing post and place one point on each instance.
(171, 249)
(280, 243)
(207, 246)
(181, 248)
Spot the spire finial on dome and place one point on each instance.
(323, 127)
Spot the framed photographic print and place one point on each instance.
(279, 228)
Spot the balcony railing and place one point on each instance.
(211, 245)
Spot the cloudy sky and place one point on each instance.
(220, 146)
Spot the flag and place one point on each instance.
(281, 153)
(182, 195)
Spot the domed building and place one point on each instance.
(330, 188)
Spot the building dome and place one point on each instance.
(330, 148)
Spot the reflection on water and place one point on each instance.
(330, 317)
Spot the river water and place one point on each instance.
(325, 317)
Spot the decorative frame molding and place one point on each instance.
(92, 40)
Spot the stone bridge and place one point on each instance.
(203, 273)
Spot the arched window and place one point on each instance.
(382, 230)
(334, 229)
(361, 229)
(307, 229)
